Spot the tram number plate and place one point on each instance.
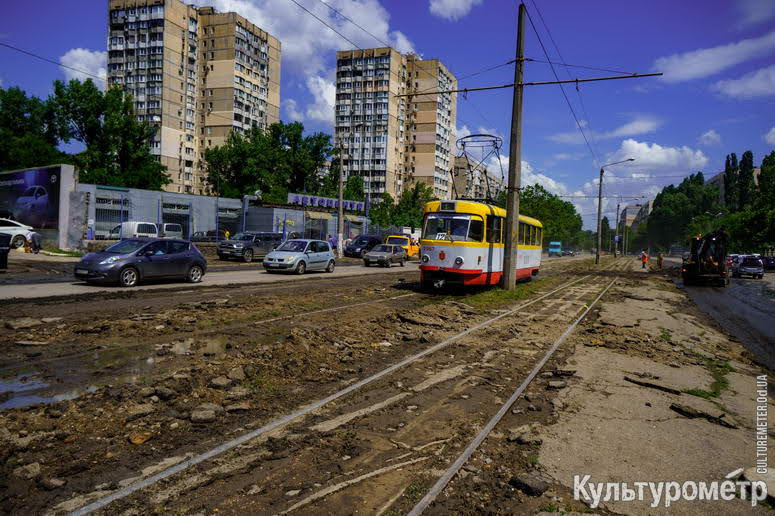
(441, 236)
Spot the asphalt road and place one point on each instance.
(745, 309)
(252, 275)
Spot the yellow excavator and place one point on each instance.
(706, 261)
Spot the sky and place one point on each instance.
(717, 94)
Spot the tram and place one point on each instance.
(463, 241)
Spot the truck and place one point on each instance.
(555, 249)
(706, 260)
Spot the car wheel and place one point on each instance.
(128, 277)
(17, 241)
(366, 263)
(247, 256)
(195, 274)
(301, 268)
(363, 253)
(331, 266)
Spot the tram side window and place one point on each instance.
(522, 227)
(476, 230)
(540, 237)
(533, 235)
(494, 228)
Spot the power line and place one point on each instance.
(51, 61)
(326, 24)
(353, 22)
(576, 66)
(567, 101)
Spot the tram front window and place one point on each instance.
(442, 226)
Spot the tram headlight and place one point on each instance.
(426, 258)
(459, 261)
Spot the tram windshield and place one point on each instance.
(453, 227)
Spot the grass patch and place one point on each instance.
(549, 507)
(718, 369)
(533, 460)
(495, 297)
(259, 383)
(74, 254)
(666, 336)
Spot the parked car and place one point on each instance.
(134, 229)
(17, 230)
(301, 255)
(132, 260)
(385, 255)
(361, 245)
(405, 242)
(768, 262)
(32, 206)
(748, 266)
(246, 246)
(568, 252)
(170, 230)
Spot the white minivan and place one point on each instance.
(169, 230)
(134, 230)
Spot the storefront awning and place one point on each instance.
(353, 218)
(320, 215)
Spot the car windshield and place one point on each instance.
(242, 236)
(382, 249)
(29, 192)
(442, 226)
(397, 240)
(360, 241)
(296, 246)
(751, 261)
(126, 246)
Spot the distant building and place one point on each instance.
(642, 215)
(475, 182)
(196, 74)
(389, 140)
(718, 181)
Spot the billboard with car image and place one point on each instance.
(31, 196)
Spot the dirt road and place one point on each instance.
(358, 398)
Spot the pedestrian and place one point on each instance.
(660, 260)
(644, 259)
(34, 240)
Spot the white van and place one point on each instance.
(134, 230)
(169, 230)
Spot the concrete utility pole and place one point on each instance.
(340, 218)
(510, 262)
(616, 238)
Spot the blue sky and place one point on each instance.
(717, 95)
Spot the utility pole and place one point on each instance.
(340, 218)
(510, 258)
(616, 238)
(599, 212)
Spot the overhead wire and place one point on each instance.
(103, 79)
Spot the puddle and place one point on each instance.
(21, 383)
(25, 401)
(182, 347)
(213, 347)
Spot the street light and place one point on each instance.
(600, 205)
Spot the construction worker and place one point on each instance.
(644, 259)
(660, 260)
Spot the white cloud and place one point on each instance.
(324, 93)
(639, 125)
(759, 83)
(656, 158)
(292, 111)
(710, 137)
(567, 156)
(452, 9)
(770, 136)
(708, 61)
(93, 62)
(753, 12)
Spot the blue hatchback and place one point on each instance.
(135, 259)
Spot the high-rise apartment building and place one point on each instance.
(392, 141)
(194, 73)
(474, 181)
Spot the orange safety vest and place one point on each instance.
(644, 258)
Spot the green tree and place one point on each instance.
(274, 162)
(353, 189)
(731, 182)
(117, 145)
(766, 196)
(381, 213)
(746, 187)
(675, 208)
(409, 209)
(29, 133)
(560, 219)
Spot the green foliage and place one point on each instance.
(731, 173)
(676, 207)
(406, 212)
(353, 189)
(746, 187)
(29, 133)
(273, 162)
(117, 151)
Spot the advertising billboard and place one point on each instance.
(323, 202)
(31, 196)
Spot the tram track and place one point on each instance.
(573, 294)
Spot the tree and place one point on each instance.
(381, 213)
(675, 207)
(29, 133)
(766, 196)
(117, 145)
(353, 189)
(731, 183)
(746, 186)
(605, 232)
(273, 161)
(409, 209)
